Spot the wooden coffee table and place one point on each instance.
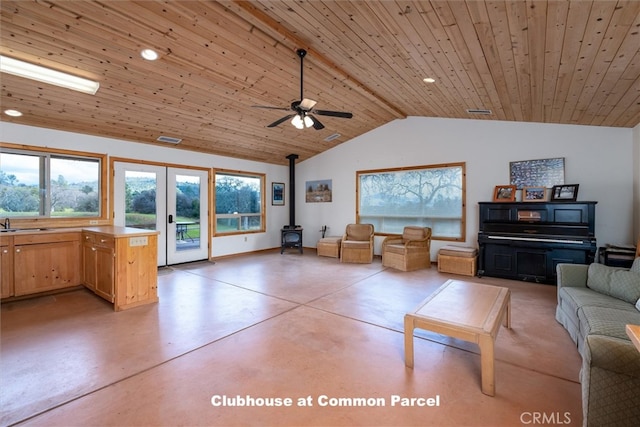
(467, 311)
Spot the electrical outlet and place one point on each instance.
(138, 241)
(245, 238)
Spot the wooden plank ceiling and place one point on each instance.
(575, 62)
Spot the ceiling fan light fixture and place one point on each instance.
(308, 121)
(297, 122)
(47, 75)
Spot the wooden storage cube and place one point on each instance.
(465, 266)
(329, 246)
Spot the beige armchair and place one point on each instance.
(357, 244)
(411, 251)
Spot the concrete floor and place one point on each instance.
(291, 326)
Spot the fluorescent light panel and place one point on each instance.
(46, 75)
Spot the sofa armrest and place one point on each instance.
(612, 354)
(572, 275)
(610, 378)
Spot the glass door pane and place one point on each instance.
(187, 233)
(140, 200)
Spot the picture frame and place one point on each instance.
(320, 191)
(534, 194)
(564, 193)
(537, 173)
(504, 193)
(277, 193)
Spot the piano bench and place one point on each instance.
(457, 260)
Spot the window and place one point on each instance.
(49, 185)
(239, 202)
(426, 196)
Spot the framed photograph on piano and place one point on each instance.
(564, 193)
(534, 194)
(504, 193)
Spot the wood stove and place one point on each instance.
(291, 234)
(291, 237)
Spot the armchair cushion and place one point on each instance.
(361, 232)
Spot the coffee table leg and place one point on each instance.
(408, 341)
(486, 365)
(507, 317)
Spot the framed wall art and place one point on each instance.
(504, 193)
(277, 194)
(318, 191)
(537, 173)
(564, 193)
(534, 194)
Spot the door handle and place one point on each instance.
(170, 219)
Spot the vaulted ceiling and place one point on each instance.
(573, 62)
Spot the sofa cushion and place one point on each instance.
(638, 304)
(607, 321)
(574, 298)
(625, 285)
(635, 267)
(616, 282)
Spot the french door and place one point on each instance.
(170, 200)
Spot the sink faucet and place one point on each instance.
(7, 223)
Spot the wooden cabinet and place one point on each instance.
(45, 262)
(120, 265)
(117, 263)
(98, 254)
(6, 267)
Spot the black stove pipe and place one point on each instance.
(292, 189)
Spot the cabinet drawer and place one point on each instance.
(29, 239)
(98, 239)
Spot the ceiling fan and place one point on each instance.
(303, 108)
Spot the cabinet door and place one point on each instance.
(6, 275)
(46, 266)
(89, 266)
(105, 272)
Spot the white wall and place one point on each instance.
(598, 158)
(604, 161)
(277, 216)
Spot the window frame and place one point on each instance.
(262, 214)
(72, 221)
(461, 165)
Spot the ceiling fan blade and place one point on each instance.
(316, 123)
(270, 107)
(307, 104)
(277, 122)
(342, 114)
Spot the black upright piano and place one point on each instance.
(526, 240)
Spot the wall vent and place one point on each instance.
(169, 139)
(478, 111)
(332, 137)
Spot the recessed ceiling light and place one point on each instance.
(149, 54)
(429, 80)
(47, 75)
(13, 113)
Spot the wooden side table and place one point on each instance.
(634, 333)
